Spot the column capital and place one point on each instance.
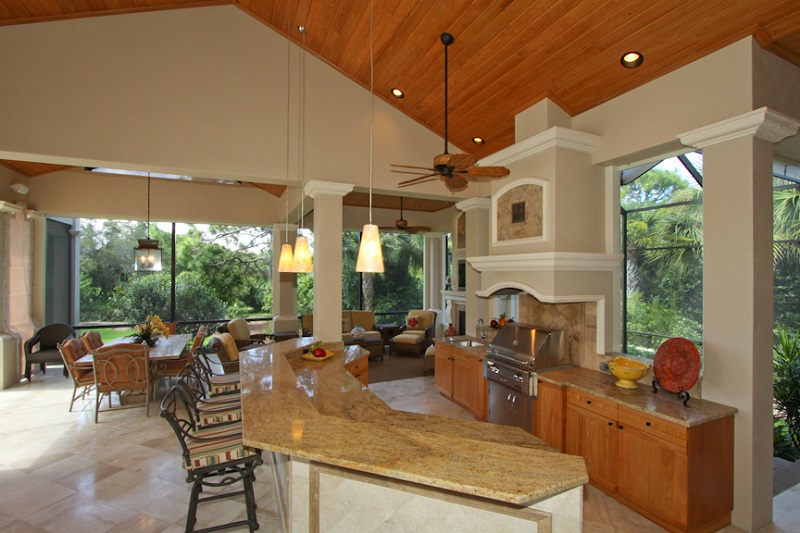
(316, 187)
(763, 123)
(474, 203)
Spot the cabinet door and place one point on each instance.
(548, 421)
(593, 437)
(653, 474)
(443, 372)
(464, 390)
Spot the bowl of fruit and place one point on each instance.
(317, 353)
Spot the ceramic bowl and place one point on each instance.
(627, 372)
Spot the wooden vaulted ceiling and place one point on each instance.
(507, 55)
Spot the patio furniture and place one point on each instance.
(388, 332)
(82, 378)
(429, 361)
(240, 331)
(124, 369)
(416, 334)
(213, 457)
(206, 381)
(227, 352)
(371, 343)
(169, 368)
(350, 319)
(47, 340)
(91, 340)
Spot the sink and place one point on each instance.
(467, 343)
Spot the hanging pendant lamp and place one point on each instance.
(302, 254)
(370, 254)
(286, 261)
(147, 256)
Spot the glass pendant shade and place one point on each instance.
(147, 256)
(370, 254)
(302, 256)
(286, 262)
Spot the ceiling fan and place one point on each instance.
(453, 169)
(401, 224)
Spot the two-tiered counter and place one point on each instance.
(353, 464)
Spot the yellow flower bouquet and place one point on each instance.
(149, 331)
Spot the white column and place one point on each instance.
(477, 212)
(434, 277)
(327, 257)
(738, 294)
(284, 284)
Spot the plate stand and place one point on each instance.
(682, 395)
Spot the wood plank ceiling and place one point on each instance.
(507, 55)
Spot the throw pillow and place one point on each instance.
(412, 322)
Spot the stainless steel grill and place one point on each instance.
(516, 354)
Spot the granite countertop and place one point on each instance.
(662, 405)
(478, 352)
(316, 410)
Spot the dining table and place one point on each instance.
(165, 349)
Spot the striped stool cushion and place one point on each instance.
(213, 413)
(226, 446)
(225, 384)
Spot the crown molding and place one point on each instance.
(763, 123)
(8, 207)
(474, 203)
(315, 187)
(556, 137)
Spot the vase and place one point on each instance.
(450, 331)
(358, 332)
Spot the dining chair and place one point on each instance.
(161, 370)
(123, 369)
(82, 377)
(92, 340)
(42, 348)
(213, 457)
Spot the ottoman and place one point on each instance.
(409, 344)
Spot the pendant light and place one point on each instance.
(286, 261)
(147, 256)
(302, 253)
(370, 254)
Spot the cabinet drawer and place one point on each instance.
(592, 403)
(658, 428)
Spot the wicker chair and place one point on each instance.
(228, 353)
(416, 335)
(240, 331)
(124, 369)
(169, 369)
(92, 340)
(82, 377)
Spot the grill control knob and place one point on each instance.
(495, 370)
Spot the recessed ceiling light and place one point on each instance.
(397, 93)
(632, 60)
(478, 140)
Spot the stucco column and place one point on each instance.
(327, 257)
(434, 275)
(738, 294)
(477, 212)
(284, 284)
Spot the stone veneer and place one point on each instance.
(532, 225)
(578, 320)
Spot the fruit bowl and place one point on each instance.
(627, 372)
(308, 356)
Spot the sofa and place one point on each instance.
(416, 335)
(350, 319)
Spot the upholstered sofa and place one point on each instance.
(416, 335)
(350, 319)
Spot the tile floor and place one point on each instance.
(60, 472)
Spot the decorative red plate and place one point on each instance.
(677, 364)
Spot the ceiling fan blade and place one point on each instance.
(427, 178)
(414, 180)
(462, 161)
(455, 183)
(412, 166)
(487, 172)
(417, 172)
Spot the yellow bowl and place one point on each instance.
(627, 372)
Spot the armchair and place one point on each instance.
(240, 331)
(416, 335)
(47, 340)
(124, 369)
(227, 352)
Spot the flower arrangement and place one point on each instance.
(149, 331)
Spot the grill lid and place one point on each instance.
(530, 345)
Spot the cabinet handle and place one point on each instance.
(648, 424)
(588, 402)
(610, 424)
(621, 426)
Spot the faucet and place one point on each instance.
(480, 330)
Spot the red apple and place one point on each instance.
(493, 323)
(319, 352)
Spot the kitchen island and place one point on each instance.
(352, 463)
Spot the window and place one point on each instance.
(662, 237)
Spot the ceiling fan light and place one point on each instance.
(302, 256)
(370, 254)
(632, 59)
(286, 262)
(397, 93)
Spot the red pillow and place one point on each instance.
(413, 322)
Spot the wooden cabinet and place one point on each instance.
(548, 414)
(679, 477)
(360, 370)
(459, 377)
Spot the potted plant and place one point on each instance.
(150, 330)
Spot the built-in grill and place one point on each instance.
(516, 354)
